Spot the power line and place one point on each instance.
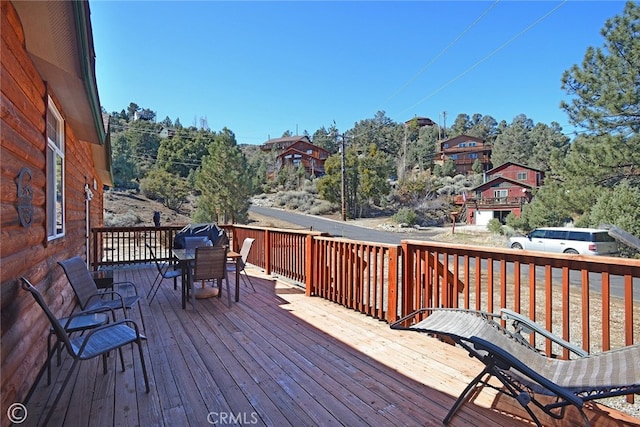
(468, 70)
(442, 52)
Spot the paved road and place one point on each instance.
(341, 229)
(344, 229)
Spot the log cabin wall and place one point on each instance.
(24, 251)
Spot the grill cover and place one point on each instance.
(216, 234)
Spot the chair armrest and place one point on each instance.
(523, 323)
(99, 296)
(126, 285)
(505, 360)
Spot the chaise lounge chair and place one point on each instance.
(524, 371)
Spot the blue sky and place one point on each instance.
(261, 68)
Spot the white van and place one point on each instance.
(568, 240)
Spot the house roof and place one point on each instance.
(421, 121)
(506, 164)
(498, 179)
(286, 140)
(59, 40)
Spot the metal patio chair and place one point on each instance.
(244, 254)
(164, 272)
(95, 342)
(210, 264)
(524, 371)
(88, 294)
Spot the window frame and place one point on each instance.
(55, 173)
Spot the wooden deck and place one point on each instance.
(279, 358)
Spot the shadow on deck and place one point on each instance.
(279, 358)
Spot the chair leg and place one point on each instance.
(247, 279)
(144, 366)
(226, 279)
(152, 286)
(193, 295)
(141, 316)
(464, 396)
(121, 359)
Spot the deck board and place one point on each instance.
(276, 358)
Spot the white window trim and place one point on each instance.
(58, 153)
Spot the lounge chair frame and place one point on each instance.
(521, 368)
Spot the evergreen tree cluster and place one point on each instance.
(393, 164)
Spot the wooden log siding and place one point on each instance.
(25, 250)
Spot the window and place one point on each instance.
(500, 193)
(473, 155)
(462, 145)
(454, 157)
(522, 176)
(472, 144)
(55, 173)
(556, 234)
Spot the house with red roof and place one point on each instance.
(506, 189)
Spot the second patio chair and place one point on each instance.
(88, 294)
(164, 272)
(210, 264)
(242, 262)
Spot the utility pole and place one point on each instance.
(343, 182)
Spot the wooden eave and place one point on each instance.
(497, 179)
(59, 40)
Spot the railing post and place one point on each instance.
(310, 288)
(392, 292)
(267, 252)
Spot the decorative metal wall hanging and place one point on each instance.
(25, 197)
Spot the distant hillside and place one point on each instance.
(128, 208)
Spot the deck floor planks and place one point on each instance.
(368, 363)
(301, 366)
(288, 358)
(320, 362)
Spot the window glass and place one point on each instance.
(55, 173)
(556, 234)
(602, 237)
(537, 234)
(581, 236)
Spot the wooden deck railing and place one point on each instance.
(126, 245)
(572, 296)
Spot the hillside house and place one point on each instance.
(507, 188)
(464, 150)
(298, 150)
(55, 163)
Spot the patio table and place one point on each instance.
(185, 258)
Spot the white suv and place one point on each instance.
(568, 240)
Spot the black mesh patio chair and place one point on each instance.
(244, 254)
(93, 343)
(165, 271)
(210, 264)
(92, 298)
(524, 371)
